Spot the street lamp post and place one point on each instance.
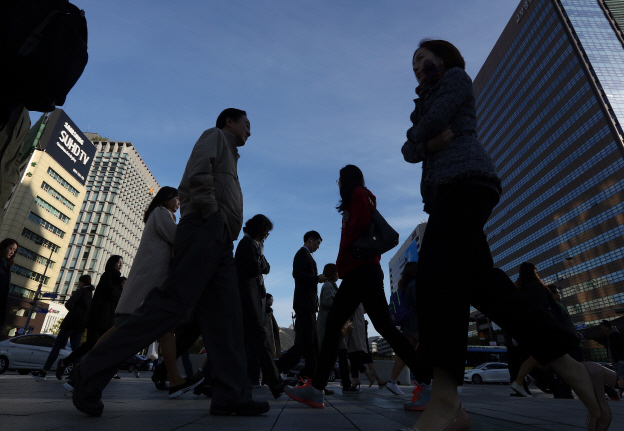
(33, 304)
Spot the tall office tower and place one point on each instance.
(41, 213)
(119, 188)
(550, 103)
(615, 9)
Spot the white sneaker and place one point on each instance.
(394, 388)
(519, 390)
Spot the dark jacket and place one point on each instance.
(78, 305)
(105, 299)
(273, 333)
(250, 264)
(356, 218)
(306, 278)
(449, 102)
(210, 181)
(5, 281)
(538, 293)
(615, 344)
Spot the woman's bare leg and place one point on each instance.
(526, 367)
(373, 370)
(575, 375)
(168, 347)
(399, 364)
(396, 369)
(444, 401)
(443, 405)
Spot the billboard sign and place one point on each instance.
(64, 141)
(411, 253)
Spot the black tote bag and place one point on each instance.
(377, 239)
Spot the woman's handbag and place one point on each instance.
(377, 239)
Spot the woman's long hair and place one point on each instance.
(111, 262)
(6, 243)
(408, 274)
(350, 177)
(163, 195)
(527, 273)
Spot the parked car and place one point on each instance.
(294, 371)
(489, 372)
(26, 353)
(137, 362)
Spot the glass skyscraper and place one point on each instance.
(119, 188)
(550, 103)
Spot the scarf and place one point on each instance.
(261, 260)
(259, 245)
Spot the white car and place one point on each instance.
(489, 372)
(26, 353)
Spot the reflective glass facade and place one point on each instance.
(602, 47)
(549, 100)
(119, 189)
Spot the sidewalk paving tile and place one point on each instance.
(134, 404)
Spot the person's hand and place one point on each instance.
(322, 278)
(440, 142)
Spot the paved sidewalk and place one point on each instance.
(134, 404)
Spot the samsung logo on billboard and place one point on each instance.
(68, 145)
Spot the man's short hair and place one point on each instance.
(312, 234)
(606, 323)
(232, 113)
(268, 295)
(85, 279)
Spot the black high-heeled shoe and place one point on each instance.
(353, 388)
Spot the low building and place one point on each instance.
(381, 346)
(56, 313)
(408, 252)
(41, 213)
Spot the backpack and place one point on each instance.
(43, 51)
(397, 308)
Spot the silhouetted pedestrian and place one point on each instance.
(202, 277)
(362, 283)
(305, 304)
(101, 315)
(72, 327)
(460, 187)
(326, 300)
(251, 266)
(8, 248)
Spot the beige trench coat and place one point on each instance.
(151, 263)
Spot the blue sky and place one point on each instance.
(324, 83)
